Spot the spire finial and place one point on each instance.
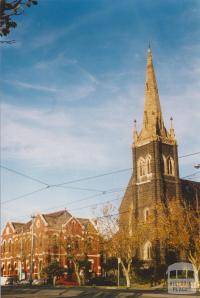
(171, 120)
(135, 124)
(171, 131)
(135, 134)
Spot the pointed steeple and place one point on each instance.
(153, 124)
(152, 109)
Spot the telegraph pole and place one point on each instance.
(118, 273)
(32, 250)
(21, 254)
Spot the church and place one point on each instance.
(155, 177)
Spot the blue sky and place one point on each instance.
(72, 85)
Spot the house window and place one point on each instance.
(69, 245)
(148, 251)
(2, 269)
(9, 246)
(40, 266)
(76, 243)
(4, 247)
(146, 214)
(89, 243)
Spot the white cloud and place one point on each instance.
(47, 139)
(25, 85)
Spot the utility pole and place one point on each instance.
(21, 254)
(118, 263)
(32, 250)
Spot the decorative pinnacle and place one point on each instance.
(135, 124)
(171, 119)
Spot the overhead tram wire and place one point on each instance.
(191, 154)
(109, 191)
(91, 177)
(191, 175)
(96, 204)
(61, 184)
(91, 205)
(72, 181)
(110, 215)
(42, 182)
(106, 192)
(24, 175)
(80, 179)
(103, 192)
(25, 195)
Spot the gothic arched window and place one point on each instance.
(170, 166)
(141, 167)
(148, 251)
(148, 164)
(164, 165)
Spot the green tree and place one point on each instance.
(54, 270)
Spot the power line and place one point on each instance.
(94, 204)
(74, 181)
(102, 192)
(81, 188)
(86, 198)
(80, 179)
(25, 195)
(92, 177)
(108, 192)
(110, 173)
(64, 183)
(191, 175)
(195, 153)
(24, 175)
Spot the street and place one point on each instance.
(46, 292)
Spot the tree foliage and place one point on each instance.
(179, 228)
(119, 240)
(54, 270)
(9, 9)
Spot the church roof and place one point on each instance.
(153, 124)
(127, 199)
(191, 191)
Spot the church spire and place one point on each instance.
(153, 124)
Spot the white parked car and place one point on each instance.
(38, 282)
(24, 282)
